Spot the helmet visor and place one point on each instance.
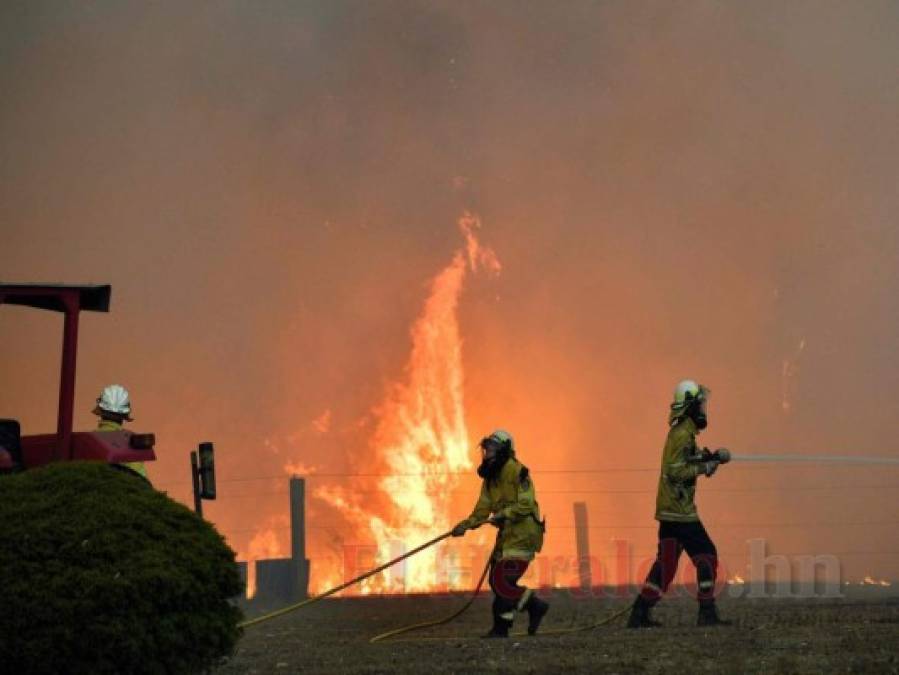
(489, 447)
(703, 397)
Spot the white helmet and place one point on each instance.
(500, 439)
(686, 392)
(503, 436)
(115, 399)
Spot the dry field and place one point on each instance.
(769, 636)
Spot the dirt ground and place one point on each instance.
(768, 636)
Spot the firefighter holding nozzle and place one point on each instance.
(680, 529)
(507, 501)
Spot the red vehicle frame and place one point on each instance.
(114, 447)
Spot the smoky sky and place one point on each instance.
(675, 189)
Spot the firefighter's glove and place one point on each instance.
(460, 529)
(710, 467)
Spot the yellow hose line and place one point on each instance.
(424, 624)
(337, 589)
(580, 629)
(556, 631)
(438, 622)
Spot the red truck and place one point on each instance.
(19, 452)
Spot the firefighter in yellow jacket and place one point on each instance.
(508, 502)
(679, 526)
(114, 409)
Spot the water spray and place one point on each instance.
(815, 459)
(723, 456)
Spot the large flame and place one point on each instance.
(266, 543)
(421, 439)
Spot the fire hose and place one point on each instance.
(347, 584)
(474, 594)
(428, 624)
(416, 626)
(437, 622)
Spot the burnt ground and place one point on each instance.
(769, 636)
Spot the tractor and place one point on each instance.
(19, 452)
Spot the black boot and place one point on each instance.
(708, 616)
(536, 609)
(639, 617)
(500, 628)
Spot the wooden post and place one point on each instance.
(297, 518)
(582, 536)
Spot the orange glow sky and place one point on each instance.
(673, 189)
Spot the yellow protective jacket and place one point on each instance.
(136, 467)
(677, 482)
(512, 497)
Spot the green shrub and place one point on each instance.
(99, 573)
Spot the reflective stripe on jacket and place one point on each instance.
(677, 482)
(512, 497)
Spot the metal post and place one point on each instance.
(67, 379)
(297, 518)
(195, 477)
(582, 536)
(299, 564)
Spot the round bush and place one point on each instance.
(99, 573)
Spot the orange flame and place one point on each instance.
(870, 581)
(421, 438)
(265, 544)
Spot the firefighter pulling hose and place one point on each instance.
(425, 624)
(508, 502)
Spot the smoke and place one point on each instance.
(686, 189)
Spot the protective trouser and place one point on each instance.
(508, 596)
(675, 538)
